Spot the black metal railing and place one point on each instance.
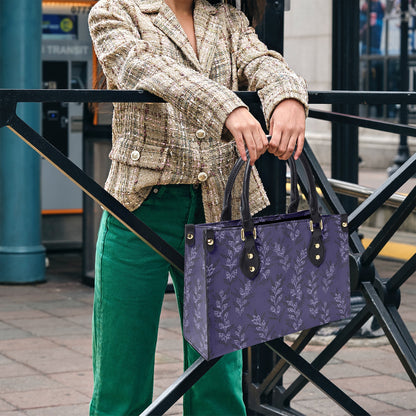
(382, 298)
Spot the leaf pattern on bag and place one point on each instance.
(280, 251)
(294, 232)
(221, 312)
(312, 291)
(265, 260)
(328, 278)
(193, 254)
(240, 340)
(325, 316)
(197, 296)
(242, 301)
(295, 291)
(261, 327)
(276, 296)
(343, 246)
(342, 305)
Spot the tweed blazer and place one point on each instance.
(141, 45)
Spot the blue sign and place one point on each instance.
(58, 26)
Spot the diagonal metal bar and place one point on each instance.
(368, 123)
(318, 379)
(402, 275)
(95, 191)
(388, 230)
(401, 326)
(173, 393)
(282, 366)
(399, 344)
(329, 351)
(372, 203)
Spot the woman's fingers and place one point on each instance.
(287, 128)
(247, 133)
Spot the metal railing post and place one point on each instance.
(22, 257)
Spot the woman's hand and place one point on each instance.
(287, 129)
(247, 132)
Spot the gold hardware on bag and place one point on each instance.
(321, 225)
(250, 255)
(317, 257)
(344, 224)
(252, 269)
(210, 242)
(243, 236)
(189, 236)
(317, 245)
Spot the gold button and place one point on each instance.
(317, 245)
(317, 257)
(135, 155)
(250, 255)
(210, 242)
(344, 224)
(252, 269)
(202, 176)
(200, 134)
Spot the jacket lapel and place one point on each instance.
(166, 21)
(206, 32)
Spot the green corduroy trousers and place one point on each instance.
(130, 282)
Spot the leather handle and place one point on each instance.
(312, 201)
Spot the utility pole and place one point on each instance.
(22, 256)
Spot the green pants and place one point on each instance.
(130, 283)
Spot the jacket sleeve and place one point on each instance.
(130, 63)
(264, 70)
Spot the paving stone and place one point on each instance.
(44, 327)
(26, 344)
(374, 384)
(26, 383)
(74, 410)
(375, 407)
(404, 399)
(15, 369)
(44, 398)
(336, 371)
(53, 360)
(81, 344)
(81, 381)
(4, 406)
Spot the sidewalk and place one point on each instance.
(45, 358)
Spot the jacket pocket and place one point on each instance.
(137, 154)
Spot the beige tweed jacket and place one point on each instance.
(141, 45)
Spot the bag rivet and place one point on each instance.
(210, 242)
(190, 236)
(317, 245)
(344, 224)
(250, 255)
(252, 269)
(317, 257)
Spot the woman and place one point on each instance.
(170, 163)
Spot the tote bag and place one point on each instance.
(252, 280)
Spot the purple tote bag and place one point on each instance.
(252, 280)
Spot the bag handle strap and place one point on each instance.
(312, 200)
(294, 193)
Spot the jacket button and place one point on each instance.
(200, 134)
(135, 155)
(202, 176)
